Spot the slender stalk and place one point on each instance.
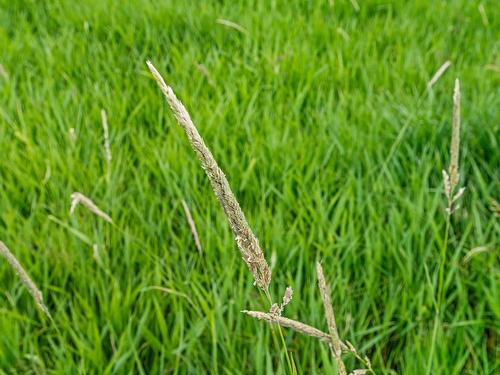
(192, 226)
(107, 147)
(295, 325)
(330, 318)
(440, 293)
(25, 278)
(289, 358)
(289, 361)
(444, 254)
(246, 240)
(451, 178)
(433, 344)
(78, 198)
(438, 74)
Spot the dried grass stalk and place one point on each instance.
(107, 147)
(362, 358)
(232, 25)
(295, 325)
(192, 226)
(447, 186)
(26, 280)
(473, 252)
(451, 178)
(203, 70)
(438, 73)
(77, 198)
(359, 372)
(247, 242)
(3, 72)
(72, 134)
(455, 138)
(330, 318)
(287, 297)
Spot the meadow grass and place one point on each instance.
(323, 122)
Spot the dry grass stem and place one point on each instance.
(232, 25)
(204, 71)
(455, 138)
(330, 318)
(77, 198)
(451, 178)
(247, 242)
(26, 280)
(192, 226)
(362, 358)
(447, 185)
(295, 325)
(275, 309)
(72, 134)
(287, 298)
(359, 372)
(107, 148)
(442, 69)
(3, 72)
(472, 252)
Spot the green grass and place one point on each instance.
(332, 144)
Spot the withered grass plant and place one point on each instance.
(451, 179)
(78, 198)
(452, 192)
(192, 226)
(247, 242)
(332, 339)
(106, 144)
(330, 318)
(442, 69)
(250, 249)
(25, 278)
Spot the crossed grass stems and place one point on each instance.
(253, 255)
(250, 249)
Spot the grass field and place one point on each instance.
(320, 116)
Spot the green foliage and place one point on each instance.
(321, 119)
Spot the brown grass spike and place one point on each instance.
(192, 226)
(26, 280)
(295, 325)
(330, 318)
(247, 242)
(79, 198)
(455, 138)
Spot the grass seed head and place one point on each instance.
(192, 226)
(330, 318)
(25, 278)
(442, 69)
(287, 297)
(455, 138)
(295, 325)
(248, 244)
(79, 198)
(451, 178)
(107, 147)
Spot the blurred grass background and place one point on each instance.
(320, 116)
